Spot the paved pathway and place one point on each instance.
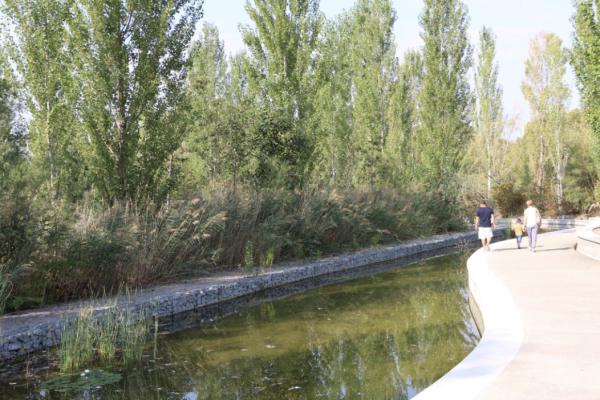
(557, 294)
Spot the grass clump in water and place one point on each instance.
(118, 336)
(132, 335)
(77, 342)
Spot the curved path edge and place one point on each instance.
(499, 344)
(503, 329)
(588, 240)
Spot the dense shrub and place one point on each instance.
(87, 253)
(509, 200)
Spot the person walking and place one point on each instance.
(518, 229)
(485, 223)
(532, 219)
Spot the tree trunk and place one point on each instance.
(123, 150)
(50, 152)
(540, 167)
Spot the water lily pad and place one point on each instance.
(79, 382)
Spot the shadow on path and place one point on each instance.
(539, 249)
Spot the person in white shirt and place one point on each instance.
(532, 219)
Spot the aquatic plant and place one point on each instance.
(77, 383)
(77, 342)
(108, 334)
(119, 332)
(132, 336)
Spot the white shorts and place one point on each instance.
(486, 233)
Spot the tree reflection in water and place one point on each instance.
(387, 336)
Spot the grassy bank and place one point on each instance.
(82, 252)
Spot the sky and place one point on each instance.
(514, 22)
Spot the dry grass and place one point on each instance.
(99, 252)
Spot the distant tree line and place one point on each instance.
(123, 103)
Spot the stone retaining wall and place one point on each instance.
(27, 332)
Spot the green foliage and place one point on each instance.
(207, 86)
(130, 59)
(581, 170)
(585, 60)
(77, 342)
(509, 199)
(445, 98)
(547, 93)
(149, 156)
(5, 288)
(373, 56)
(279, 67)
(403, 119)
(131, 336)
(249, 255)
(37, 50)
(281, 47)
(99, 252)
(332, 117)
(88, 338)
(489, 123)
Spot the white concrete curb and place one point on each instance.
(588, 241)
(500, 343)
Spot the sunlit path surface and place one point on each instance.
(556, 291)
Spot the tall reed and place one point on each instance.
(77, 342)
(119, 334)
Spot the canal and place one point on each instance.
(383, 336)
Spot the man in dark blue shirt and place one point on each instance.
(485, 224)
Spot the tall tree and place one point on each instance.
(585, 61)
(207, 85)
(37, 49)
(488, 108)
(280, 64)
(131, 60)
(581, 172)
(11, 143)
(216, 148)
(403, 119)
(332, 117)
(547, 93)
(373, 72)
(445, 99)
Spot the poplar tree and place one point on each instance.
(280, 67)
(11, 145)
(488, 109)
(403, 120)
(332, 117)
(585, 60)
(207, 80)
(445, 101)
(37, 50)
(373, 72)
(546, 92)
(131, 60)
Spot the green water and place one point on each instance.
(386, 336)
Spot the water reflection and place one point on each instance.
(386, 336)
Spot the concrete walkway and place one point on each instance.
(557, 294)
